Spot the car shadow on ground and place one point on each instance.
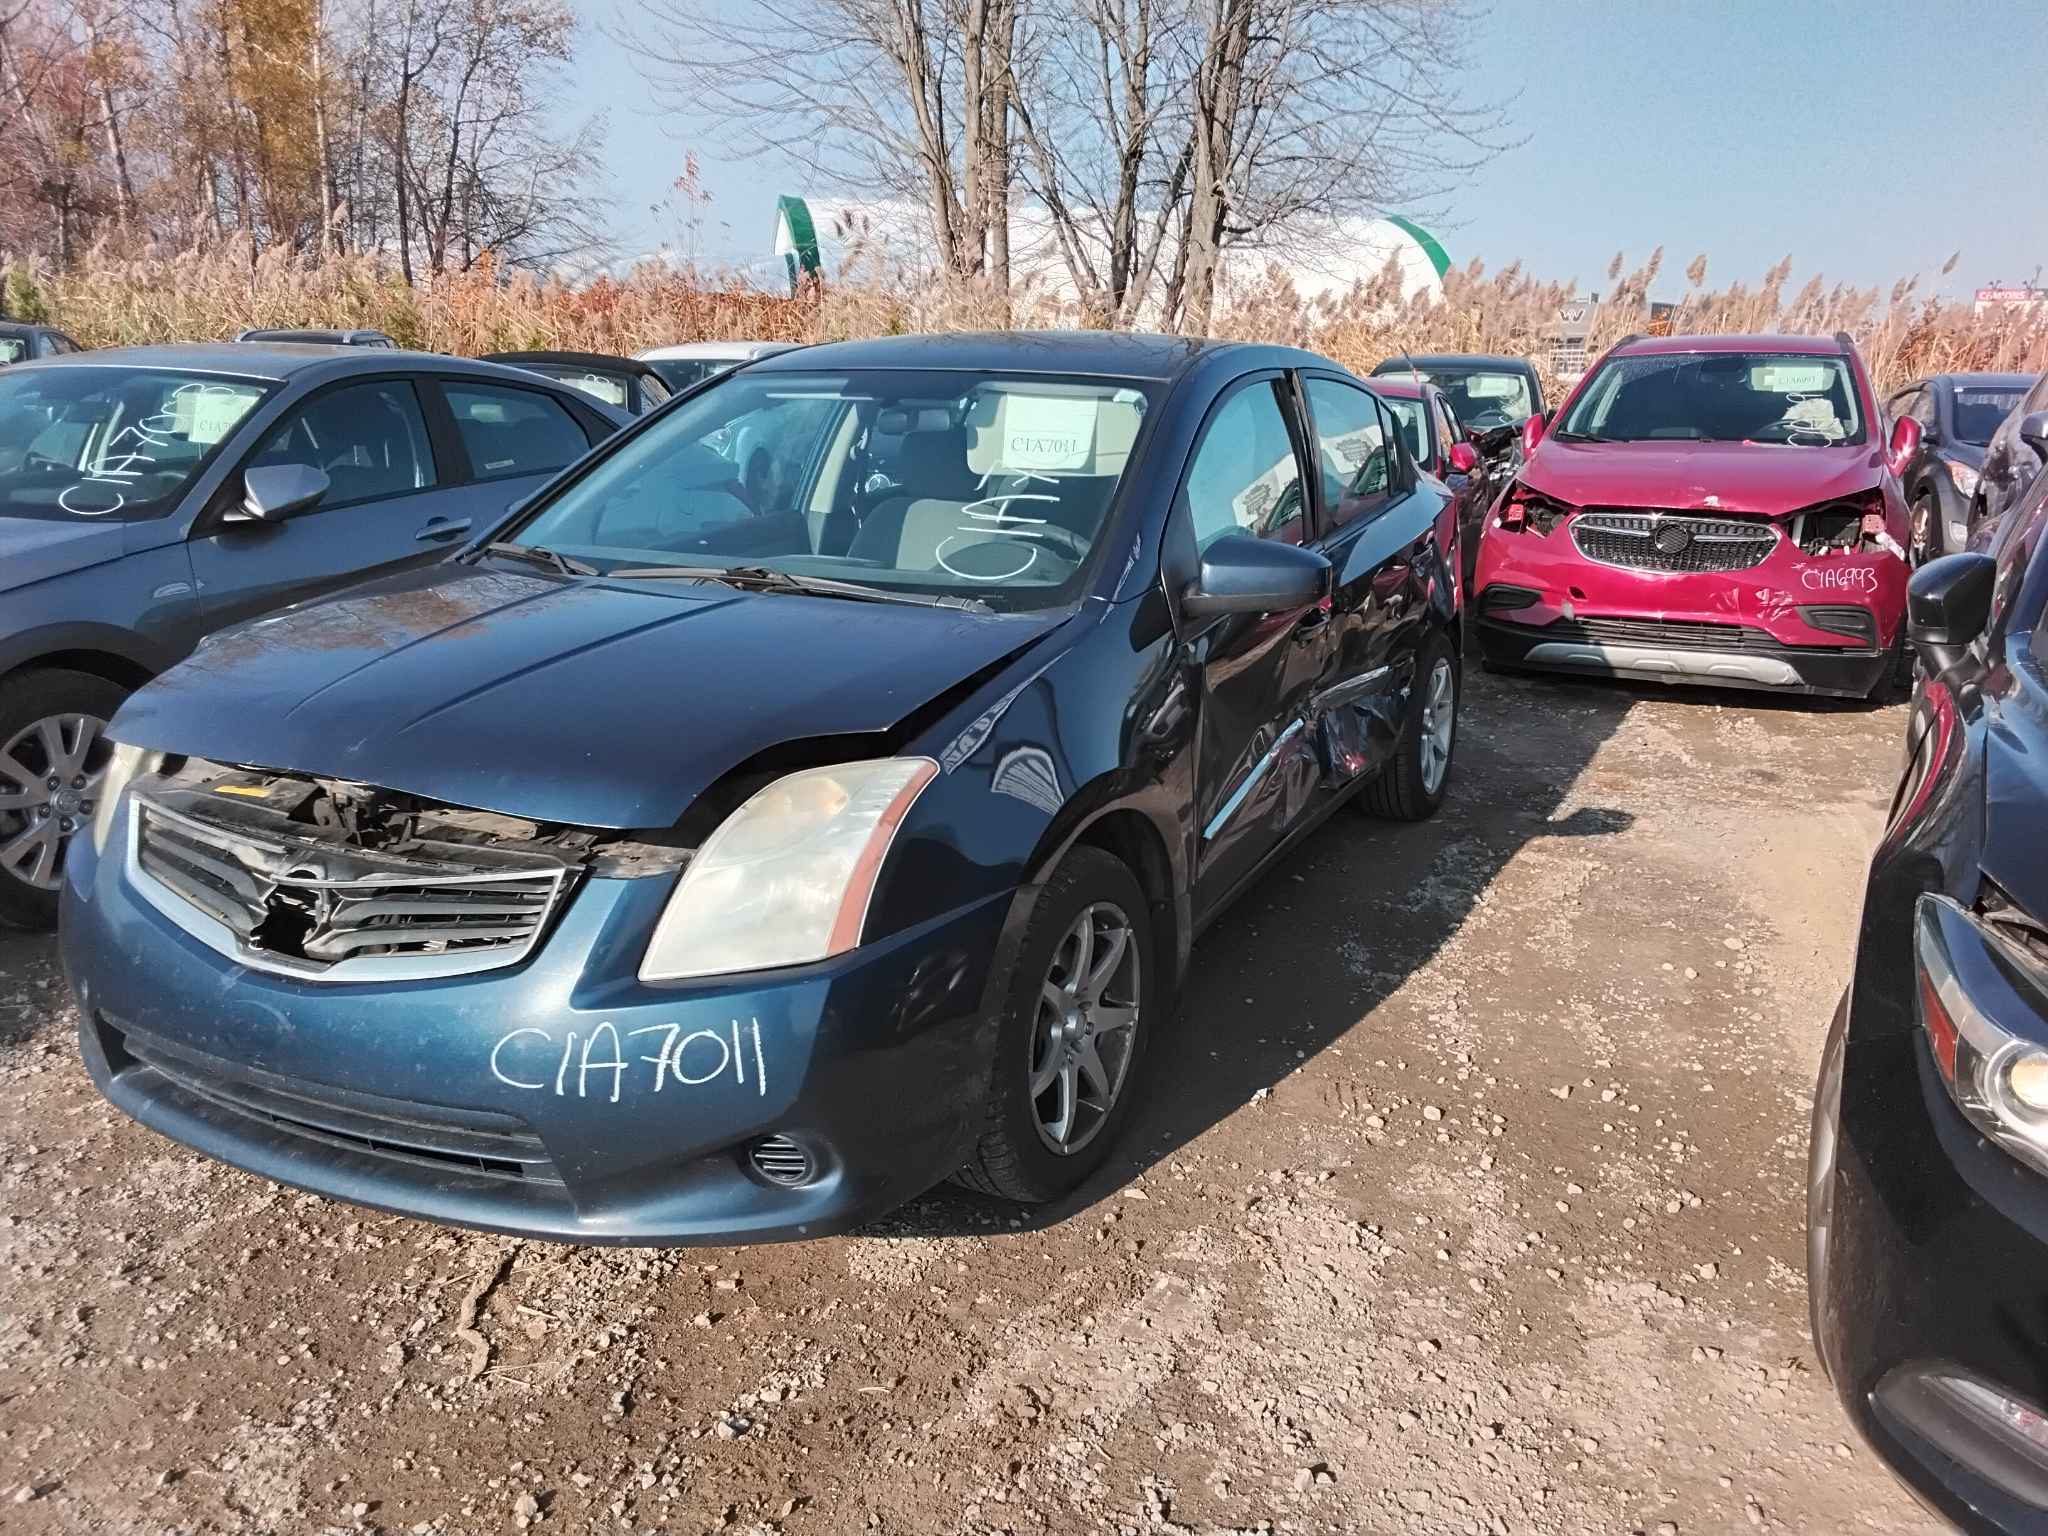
(1337, 928)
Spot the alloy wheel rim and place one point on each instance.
(50, 773)
(1439, 720)
(1923, 532)
(1085, 1030)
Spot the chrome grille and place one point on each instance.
(278, 898)
(1671, 541)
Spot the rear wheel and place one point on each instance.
(1412, 786)
(53, 753)
(1071, 1043)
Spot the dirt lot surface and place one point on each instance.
(1468, 1198)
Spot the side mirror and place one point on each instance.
(2034, 431)
(1464, 458)
(272, 492)
(1948, 603)
(1241, 574)
(1532, 434)
(1905, 442)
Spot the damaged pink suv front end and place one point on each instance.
(1713, 510)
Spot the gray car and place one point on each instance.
(152, 495)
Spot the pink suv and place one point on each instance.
(1706, 509)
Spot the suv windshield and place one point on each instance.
(121, 443)
(1978, 410)
(1719, 397)
(1483, 398)
(985, 487)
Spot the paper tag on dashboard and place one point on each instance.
(1042, 432)
(209, 413)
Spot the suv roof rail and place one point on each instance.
(1848, 342)
(1631, 336)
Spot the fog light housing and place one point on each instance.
(1962, 1418)
(780, 1160)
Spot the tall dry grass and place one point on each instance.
(110, 299)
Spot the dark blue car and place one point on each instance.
(711, 856)
(150, 495)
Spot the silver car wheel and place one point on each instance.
(1084, 1036)
(1439, 723)
(50, 773)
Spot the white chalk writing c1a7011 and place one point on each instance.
(607, 1062)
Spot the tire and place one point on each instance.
(1018, 1157)
(1403, 790)
(1926, 533)
(33, 813)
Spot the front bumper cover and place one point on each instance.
(559, 1098)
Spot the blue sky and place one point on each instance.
(1868, 141)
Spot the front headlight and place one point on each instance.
(123, 768)
(786, 878)
(1997, 1078)
(1965, 478)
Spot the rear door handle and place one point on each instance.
(442, 529)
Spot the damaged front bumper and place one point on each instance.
(554, 1095)
(1793, 623)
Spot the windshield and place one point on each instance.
(1719, 397)
(986, 487)
(679, 373)
(1979, 409)
(118, 443)
(1484, 398)
(1414, 428)
(13, 348)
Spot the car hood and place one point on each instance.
(2015, 787)
(589, 702)
(1766, 479)
(36, 548)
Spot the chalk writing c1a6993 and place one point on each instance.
(535, 1061)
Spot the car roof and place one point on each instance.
(271, 361)
(1657, 346)
(1400, 364)
(741, 351)
(592, 360)
(1400, 388)
(1966, 380)
(23, 327)
(1110, 354)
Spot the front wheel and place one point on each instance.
(53, 754)
(1926, 533)
(1412, 786)
(1071, 1043)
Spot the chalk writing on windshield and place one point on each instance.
(599, 1065)
(984, 527)
(200, 414)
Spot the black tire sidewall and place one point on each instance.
(1085, 875)
(25, 699)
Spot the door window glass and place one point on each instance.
(369, 439)
(1245, 477)
(1354, 449)
(513, 431)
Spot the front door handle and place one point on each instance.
(441, 528)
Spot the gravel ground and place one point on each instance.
(1468, 1198)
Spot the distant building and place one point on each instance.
(1570, 335)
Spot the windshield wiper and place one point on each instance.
(766, 578)
(554, 559)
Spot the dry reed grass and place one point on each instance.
(109, 299)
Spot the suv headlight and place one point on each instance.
(123, 768)
(786, 878)
(1965, 478)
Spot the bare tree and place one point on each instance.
(904, 98)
